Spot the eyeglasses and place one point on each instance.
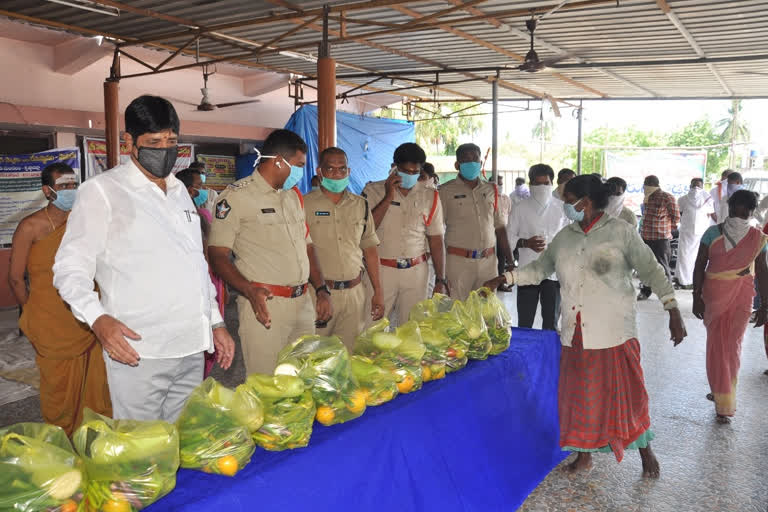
(337, 171)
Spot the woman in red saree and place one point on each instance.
(731, 254)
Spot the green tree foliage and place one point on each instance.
(440, 131)
(734, 129)
(701, 133)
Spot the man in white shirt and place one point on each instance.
(695, 210)
(563, 176)
(207, 198)
(533, 223)
(719, 195)
(733, 184)
(135, 230)
(521, 192)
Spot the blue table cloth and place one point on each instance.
(479, 440)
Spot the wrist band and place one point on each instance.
(218, 325)
(509, 277)
(322, 288)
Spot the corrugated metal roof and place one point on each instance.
(589, 32)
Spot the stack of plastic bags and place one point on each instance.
(130, 464)
(39, 469)
(439, 317)
(497, 320)
(475, 331)
(378, 385)
(400, 352)
(322, 362)
(289, 410)
(215, 428)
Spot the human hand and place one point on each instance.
(536, 243)
(441, 287)
(392, 183)
(323, 308)
(112, 333)
(698, 306)
(258, 298)
(225, 347)
(676, 327)
(377, 306)
(494, 283)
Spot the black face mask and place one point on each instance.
(158, 161)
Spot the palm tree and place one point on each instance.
(543, 131)
(734, 129)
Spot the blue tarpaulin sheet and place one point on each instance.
(480, 439)
(369, 143)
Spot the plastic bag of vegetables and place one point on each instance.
(470, 313)
(497, 320)
(289, 410)
(39, 469)
(439, 317)
(213, 432)
(378, 385)
(399, 352)
(323, 364)
(130, 463)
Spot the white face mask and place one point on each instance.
(542, 194)
(615, 205)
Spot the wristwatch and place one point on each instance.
(322, 288)
(218, 325)
(441, 280)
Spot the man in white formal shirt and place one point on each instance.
(695, 210)
(533, 223)
(135, 231)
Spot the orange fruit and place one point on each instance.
(116, 506)
(68, 506)
(405, 385)
(440, 374)
(387, 395)
(325, 415)
(366, 392)
(356, 402)
(426, 374)
(227, 465)
(460, 353)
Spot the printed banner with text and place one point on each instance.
(20, 187)
(96, 156)
(219, 170)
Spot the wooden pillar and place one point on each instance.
(326, 103)
(112, 114)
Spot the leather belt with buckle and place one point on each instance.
(474, 254)
(403, 262)
(344, 285)
(288, 292)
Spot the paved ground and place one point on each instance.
(704, 466)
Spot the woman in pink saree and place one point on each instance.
(730, 255)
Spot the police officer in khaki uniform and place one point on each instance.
(474, 225)
(261, 219)
(343, 233)
(408, 216)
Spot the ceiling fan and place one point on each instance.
(532, 63)
(205, 104)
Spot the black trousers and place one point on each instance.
(528, 298)
(662, 250)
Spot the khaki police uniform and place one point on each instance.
(266, 230)
(403, 234)
(472, 216)
(340, 232)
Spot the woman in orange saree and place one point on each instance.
(730, 255)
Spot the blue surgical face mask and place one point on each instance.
(294, 177)
(734, 187)
(202, 197)
(409, 180)
(65, 199)
(335, 186)
(572, 213)
(470, 170)
(202, 177)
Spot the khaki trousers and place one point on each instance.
(403, 288)
(291, 318)
(348, 315)
(466, 274)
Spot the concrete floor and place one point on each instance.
(704, 466)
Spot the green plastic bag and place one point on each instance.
(322, 362)
(213, 435)
(440, 318)
(497, 319)
(377, 384)
(399, 352)
(130, 463)
(289, 410)
(39, 470)
(470, 313)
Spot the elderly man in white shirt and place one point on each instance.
(532, 224)
(135, 230)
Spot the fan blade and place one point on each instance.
(183, 102)
(232, 104)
